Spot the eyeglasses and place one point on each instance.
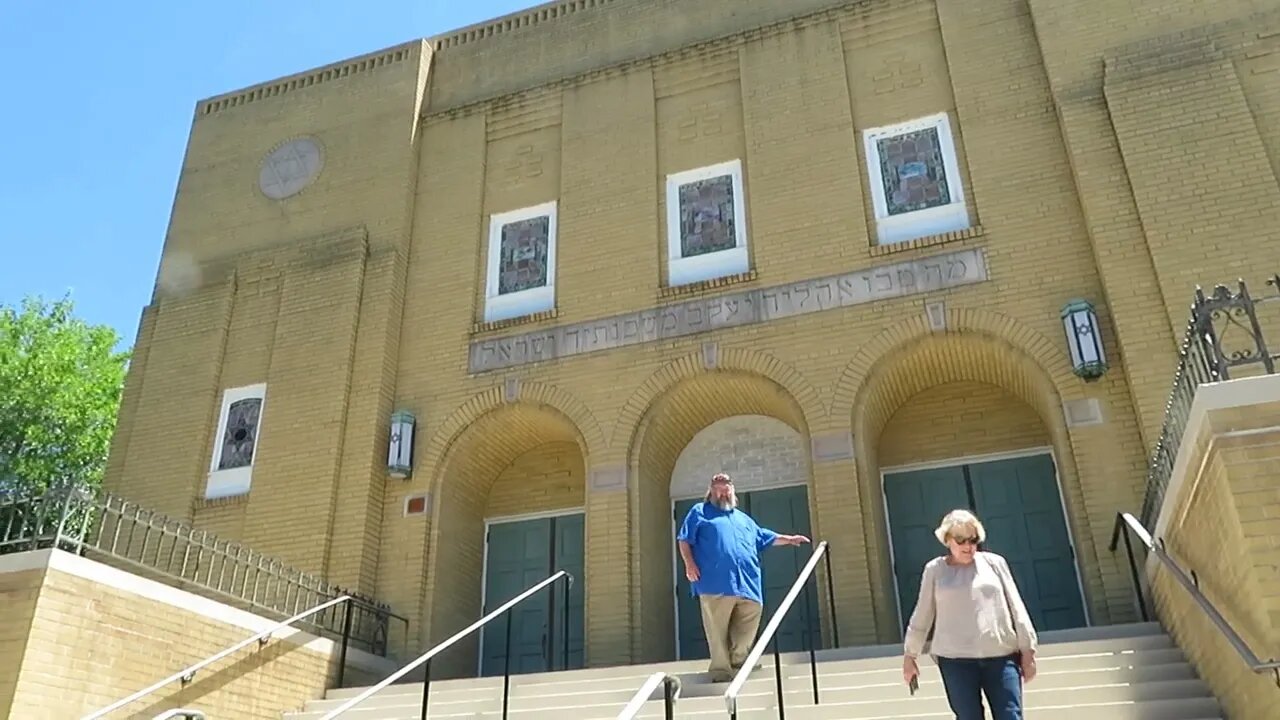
(965, 540)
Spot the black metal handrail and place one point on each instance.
(187, 674)
(770, 634)
(425, 658)
(670, 693)
(1190, 583)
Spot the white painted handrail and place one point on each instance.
(645, 692)
(189, 672)
(735, 687)
(443, 646)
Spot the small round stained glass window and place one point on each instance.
(289, 168)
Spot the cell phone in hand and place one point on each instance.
(914, 685)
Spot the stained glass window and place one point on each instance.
(706, 216)
(523, 260)
(241, 434)
(913, 171)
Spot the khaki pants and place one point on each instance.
(730, 624)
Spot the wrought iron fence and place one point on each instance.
(1226, 337)
(117, 532)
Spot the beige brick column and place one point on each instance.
(608, 611)
(836, 502)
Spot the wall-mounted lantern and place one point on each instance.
(1084, 338)
(400, 450)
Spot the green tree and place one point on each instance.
(60, 385)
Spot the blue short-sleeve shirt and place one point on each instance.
(726, 546)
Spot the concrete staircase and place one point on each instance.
(1125, 672)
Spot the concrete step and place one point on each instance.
(1086, 653)
(1130, 672)
(880, 683)
(853, 703)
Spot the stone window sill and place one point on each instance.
(220, 502)
(485, 327)
(927, 241)
(668, 292)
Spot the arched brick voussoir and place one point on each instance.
(1051, 358)
(530, 394)
(738, 360)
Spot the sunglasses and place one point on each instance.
(965, 540)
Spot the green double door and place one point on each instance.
(1018, 502)
(786, 511)
(518, 555)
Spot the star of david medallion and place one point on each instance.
(289, 168)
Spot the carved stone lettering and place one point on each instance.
(848, 291)
(742, 308)
(694, 317)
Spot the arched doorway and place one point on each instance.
(667, 436)
(511, 513)
(972, 445)
(966, 419)
(768, 462)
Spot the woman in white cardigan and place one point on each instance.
(983, 640)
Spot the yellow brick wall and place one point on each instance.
(18, 594)
(755, 450)
(1223, 527)
(364, 291)
(545, 479)
(958, 420)
(90, 643)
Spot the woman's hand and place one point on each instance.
(1028, 666)
(910, 670)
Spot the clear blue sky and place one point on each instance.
(97, 104)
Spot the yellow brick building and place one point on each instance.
(599, 249)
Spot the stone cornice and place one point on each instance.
(318, 76)
(704, 48)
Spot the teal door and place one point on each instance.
(692, 643)
(917, 500)
(1022, 511)
(1018, 502)
(785, 510)
(521, 554)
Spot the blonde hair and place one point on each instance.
(959, 519)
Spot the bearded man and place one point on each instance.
(721, 547)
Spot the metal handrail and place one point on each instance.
(1189, 583)
(771, 630)
(188, 673)
(180, 713)
(670, 693)
(428, 655)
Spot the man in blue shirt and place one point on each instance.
(721, 546)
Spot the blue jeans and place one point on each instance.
(966, 681)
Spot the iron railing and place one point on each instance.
(425, 659)
(770, 634)
(110, 529)
(1127, 525)
(670, 685)
(1224, 338)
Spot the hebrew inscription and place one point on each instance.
(749, 307)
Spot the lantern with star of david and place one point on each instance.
(400, 450)
(1084, 340)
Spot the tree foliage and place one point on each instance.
(60, 385)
